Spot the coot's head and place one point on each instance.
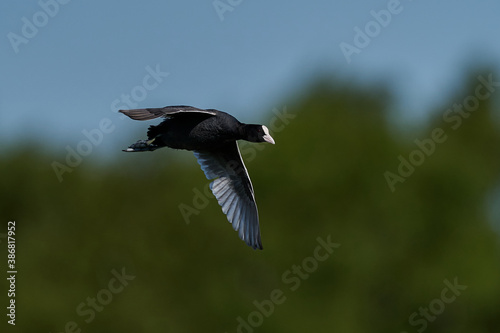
(258, 133)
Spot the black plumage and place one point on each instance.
(212, 136)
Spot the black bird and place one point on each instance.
(212, 136)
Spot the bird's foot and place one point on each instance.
(142, 145)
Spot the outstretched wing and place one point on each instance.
(152, 113)
(233, 189)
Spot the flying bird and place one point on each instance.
(212, 136)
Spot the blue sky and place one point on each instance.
(245, 58)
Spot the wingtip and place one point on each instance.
(258, 247)
(127, 112)
(255, 243)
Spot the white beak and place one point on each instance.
(267, 137)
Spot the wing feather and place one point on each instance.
(167, 111)
(233, 189)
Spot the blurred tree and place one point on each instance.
(421, 256)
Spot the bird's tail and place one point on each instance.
(142, 145)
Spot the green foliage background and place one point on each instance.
(324, 177)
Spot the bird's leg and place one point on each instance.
(142, 145)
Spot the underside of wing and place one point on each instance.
(233, 189)
(152, 113)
